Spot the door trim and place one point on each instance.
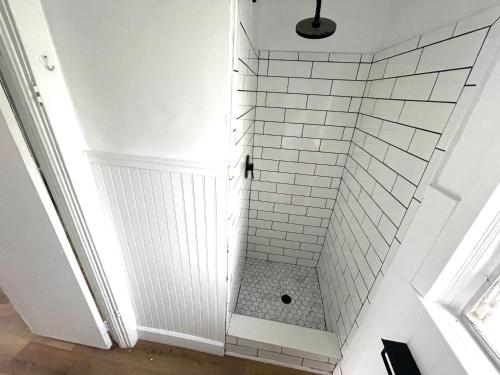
(44, 147)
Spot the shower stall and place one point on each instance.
(343, 146)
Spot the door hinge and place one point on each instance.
(36, 94)
(106, 326)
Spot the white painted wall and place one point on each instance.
(396, 312)
(148, 77)
(362, 25)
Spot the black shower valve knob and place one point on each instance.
(248, 167)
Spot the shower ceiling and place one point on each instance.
(366, 25)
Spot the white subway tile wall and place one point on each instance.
(237, 346)
(305, 120)
(409, 102)
(242, 126)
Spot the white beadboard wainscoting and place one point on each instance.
(170, 219)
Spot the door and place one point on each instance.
(38, 269)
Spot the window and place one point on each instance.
(483, 316)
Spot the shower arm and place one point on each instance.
(316, 21)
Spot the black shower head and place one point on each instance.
(317, 27)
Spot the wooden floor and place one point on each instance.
(22, 353)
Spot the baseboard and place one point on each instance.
(181, 340)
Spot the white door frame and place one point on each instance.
(99, 258)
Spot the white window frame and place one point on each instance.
(469, 271)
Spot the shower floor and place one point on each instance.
(263, 285)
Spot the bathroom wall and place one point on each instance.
(153, 103)
(245, 67)
(307, 107)
(407, 119)
(142, 81)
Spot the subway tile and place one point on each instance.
(391, 207)
(263, 186)
(273, 84)
(270, 233)
(288, 227)
(280, 154)
(403, 190)
(363, 72)
(375, 147)
(313, 180)
(267, 165)
(285, 244)
(277, 177)
(313, 56)
(299, 254)
(305, 220)
(330, 103)
(376, 239)
(292, 167)
(323, 192)
(372, 210)
(324, 132)
(309, 86)
(290, 209)
(269, 114)
(459, 52)
(328, 145)
(305, 116)
(289, 68)
(387, 228)
(423, 144)
(293, 189)
(279, 128)
(449, 85)
(314, 230)
(307, 262)
(426, 115)
(329, 170)
(377, 69)
(319, 212)
(345, 57)
(416, 87)
(274, 197)
(283, 55)
(341, 119)
(382, 88)
(307, 144)
(332, 70)
(307, 238)
(384, 175)
(272, 216)
(404, 64)
(267, 140)
(308, 201)
(387, 109)
(405, 164)
(304, 354)
(396, 134)
(269, 249)
(348, 88)
(373, 261)
(259, 345)
(318, 157)
(241, 349)
(261, 206)
(281, 259)
(286, 100)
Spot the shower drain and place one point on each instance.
(286, 299)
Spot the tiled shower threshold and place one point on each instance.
(265, 285)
